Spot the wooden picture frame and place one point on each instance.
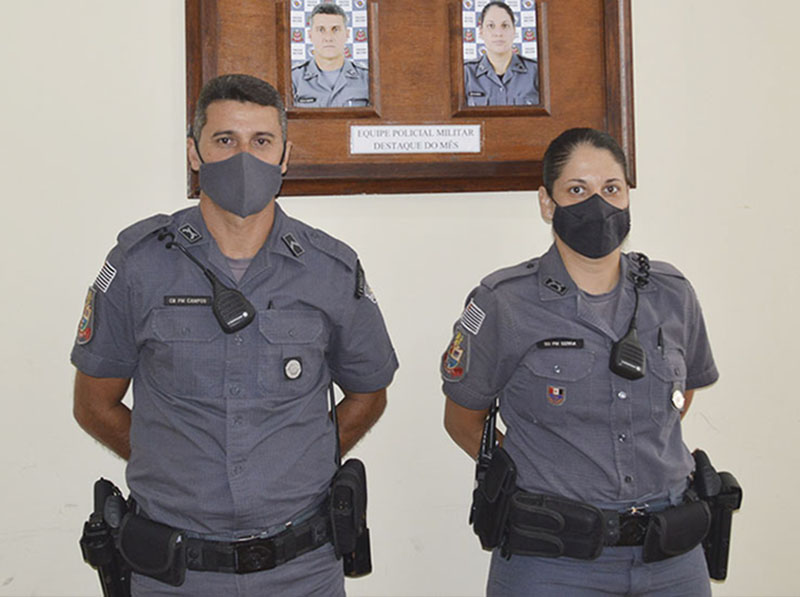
(416, 79)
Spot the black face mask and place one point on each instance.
(593, 227)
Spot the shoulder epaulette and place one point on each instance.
(666, 269)
(137, 232)
(526, 268)
(333, 248)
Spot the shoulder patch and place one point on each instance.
(333, 248)
(134, 234)
(526, 268)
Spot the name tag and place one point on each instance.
(477, 94)
(187, 301)
(560, 343)
(306, 100)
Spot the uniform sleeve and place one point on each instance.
(361, 358)
(701, 370)
(105, 345)
(479, 359)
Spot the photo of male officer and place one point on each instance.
(329, 80)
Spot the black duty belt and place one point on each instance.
(258, 553)
(552, 526)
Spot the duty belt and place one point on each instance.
(552, 526)
(255, 554)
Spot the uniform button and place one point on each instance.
(235, 390)
(557, 368)
(237, 470)
(238, 420)
(291, 333)
(238, 339)
(622, 437)
(628, 479)
(622, 395)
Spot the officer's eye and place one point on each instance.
(506, 26)
(225, 140)
(263, 141)
(612, 189)
(575, 190)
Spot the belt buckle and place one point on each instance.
(253, 555)
(633, 525)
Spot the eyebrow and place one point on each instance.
(258, 134)
(584, 182)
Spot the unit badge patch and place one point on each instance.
(86, 325)
(455, 359)
(472, 318)
(556, 396)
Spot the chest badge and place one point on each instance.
(678, 399)
(293, 368)
(556, 396)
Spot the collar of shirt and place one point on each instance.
(517, 65)
(312, 70)
(556, 284)
(212, 254)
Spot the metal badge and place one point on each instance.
(189, 233)
(293, 368)
(295, 247)
(678, 399)
(555, 286)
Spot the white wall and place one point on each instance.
(91, 120)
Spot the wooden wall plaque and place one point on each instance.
(416, 79)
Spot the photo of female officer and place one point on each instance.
(501, 77)
(580, 425)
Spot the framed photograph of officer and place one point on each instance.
(329, 49)
(500, 51)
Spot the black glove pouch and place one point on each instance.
(675, 531)
(491, 499)
(153, 549)
(541, 525)
(348, 511)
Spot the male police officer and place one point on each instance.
(229, 436)
(329, 80)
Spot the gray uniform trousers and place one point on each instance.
(619, 571)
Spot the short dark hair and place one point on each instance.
(328, 8)
(498, 4)
(240, 88)
(560, 150)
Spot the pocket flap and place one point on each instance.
(189, 324)
(289, 327)
(566, 364)
(669, 367)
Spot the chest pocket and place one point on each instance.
(556, 384)
(669, 374)
(188, 357)
(292, 355)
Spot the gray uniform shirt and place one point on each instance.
(230, 433)
(311, 90)
(576, 429)
(519, 85)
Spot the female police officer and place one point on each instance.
(594, 428)
(500, 77)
